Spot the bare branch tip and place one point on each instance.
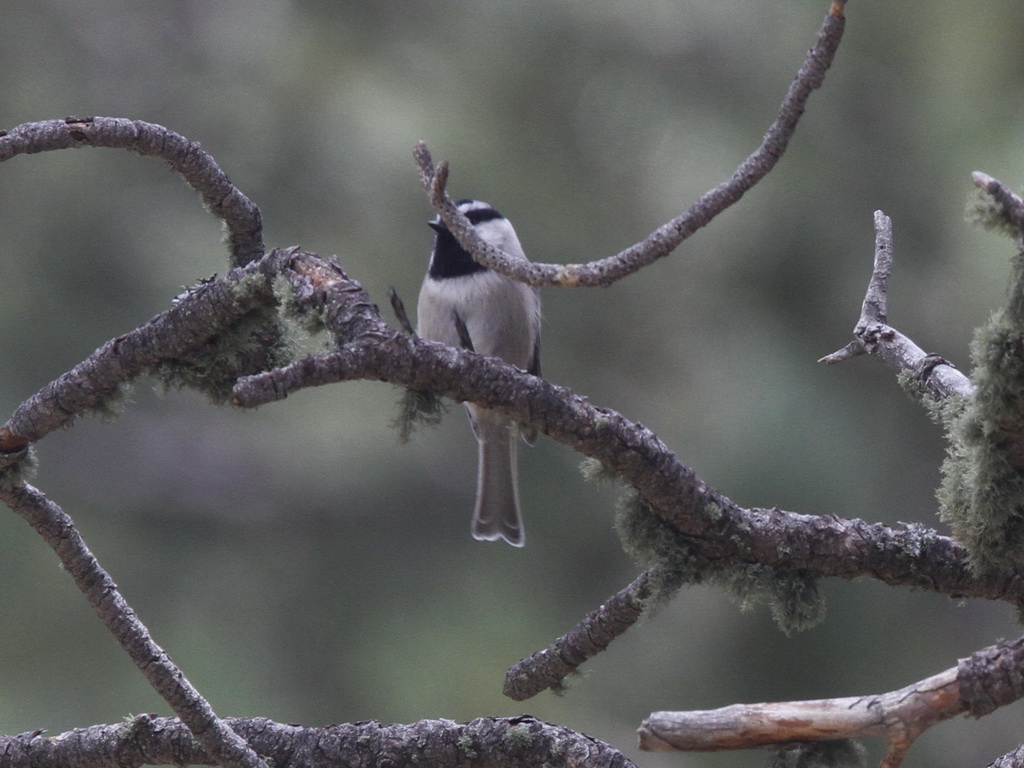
(837, 8)
(439, 184)
(854, 349)
(422, 154)
(981, 179)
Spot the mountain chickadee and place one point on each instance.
(502, 319)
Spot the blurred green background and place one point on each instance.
(298, 561)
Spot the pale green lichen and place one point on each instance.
(792, 596)
(21, 471)
(982, 493)
(257, 341)
(984, 211)
(418, 408)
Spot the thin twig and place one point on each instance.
(874, 336)
(670, 235)
(547, 668)
(876, 303)
(398, 306)
(221, 197)
(58, 530)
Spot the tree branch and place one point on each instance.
(1012, 205)
(899, 717)
(874, 336)
(223, 199)
(718, 528)
(515, 742)
(548, 667)
(847, 549)
(1014, 759)
(373, 350)
(978, 685)
(58, 530)
(198, 316)
(666, 238)
(715, 528)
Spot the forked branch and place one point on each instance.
(874, 336)
(719, 529)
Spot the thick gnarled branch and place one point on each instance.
(371, 349)
(666, 238)
(826, 546)
(722, 530)
(486, 742)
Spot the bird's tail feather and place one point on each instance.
(497, 513)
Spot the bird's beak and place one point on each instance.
(437, 225)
